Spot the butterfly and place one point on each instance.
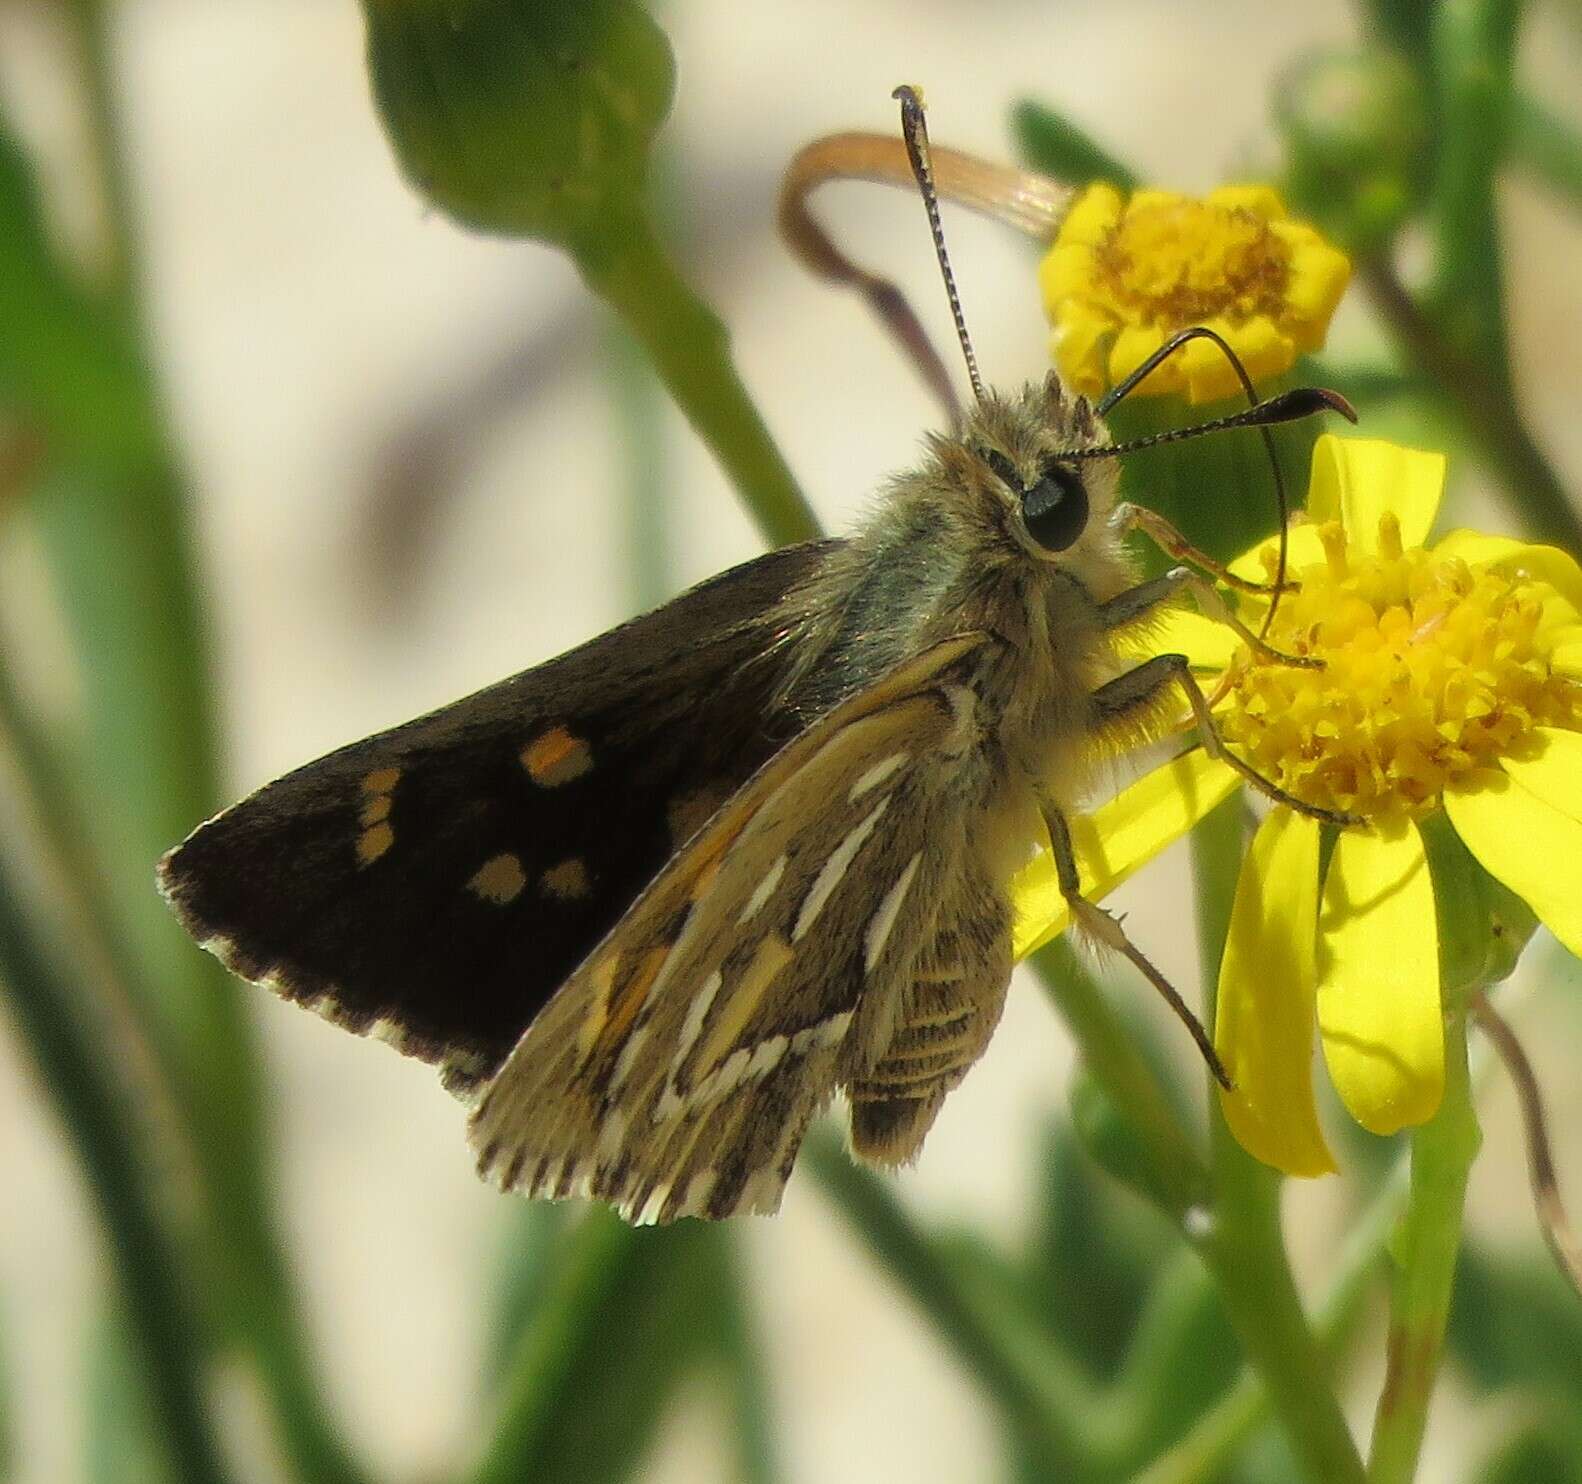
(650, 905)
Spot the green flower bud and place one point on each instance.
(1356, 133)
(1483, 927)
(531, 117)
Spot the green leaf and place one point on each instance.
(119, 1442)
(1093, 1250)
(1515, 1323)
(1050, 142)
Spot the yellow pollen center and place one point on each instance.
(1431, 670)
(1182, 262)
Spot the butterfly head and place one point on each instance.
(1015, 460)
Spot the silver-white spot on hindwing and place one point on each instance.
(883, 921)
(829, 877)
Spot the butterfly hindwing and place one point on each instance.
(437, 882)
(676, 1071)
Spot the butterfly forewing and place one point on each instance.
(677, 1070)
(437, 882)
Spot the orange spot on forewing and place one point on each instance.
(556, 757)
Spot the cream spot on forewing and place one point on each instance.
(381, 780)
(763, 891)
(883, 921)
(375, 810)
(569, 880)
(499, 879)
(876, 775)
(829, 877)
(556, 757)
(373, 842)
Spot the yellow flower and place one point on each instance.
(1452, 682)
(1124, 275)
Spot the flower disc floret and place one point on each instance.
(1431, 671)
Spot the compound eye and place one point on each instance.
(1055, 510)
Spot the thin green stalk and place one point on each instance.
(689, 347)
(1178, 1178)
(1473, 49)
(1242, 1241)
(1424, 1251)
(164, 1327)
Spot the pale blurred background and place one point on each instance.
(310, 310)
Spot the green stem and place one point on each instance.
(1242, 1242)
(1473, 46)
(1425, 1250)
(164, 1327)
(1205, 1453)
(690, 349)
(1178, 1179)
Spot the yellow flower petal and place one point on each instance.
(1263, 1029)
(1066, 271)
(1553, 774)
(1318, 277)
(1263, 349)
(1567, 658)
(1116, 840)
(1079, 347)
(1303, 549)
(1526, 843)
(1378, 980)
(1260, 200)
(1208, 645)
(1093, 216)
(1133, 345)
(1556, 567)
(1356, 480)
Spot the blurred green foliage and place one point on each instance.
(1114, 1341)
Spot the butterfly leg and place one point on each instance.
(1107, 929)
(1137, 693)
(1168, 539)
(1138, 603)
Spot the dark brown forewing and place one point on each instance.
(437, 882)
(676, 1071)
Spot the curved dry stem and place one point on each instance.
(1553, 1221)
(1031, 203)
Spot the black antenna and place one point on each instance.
(915, 132)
